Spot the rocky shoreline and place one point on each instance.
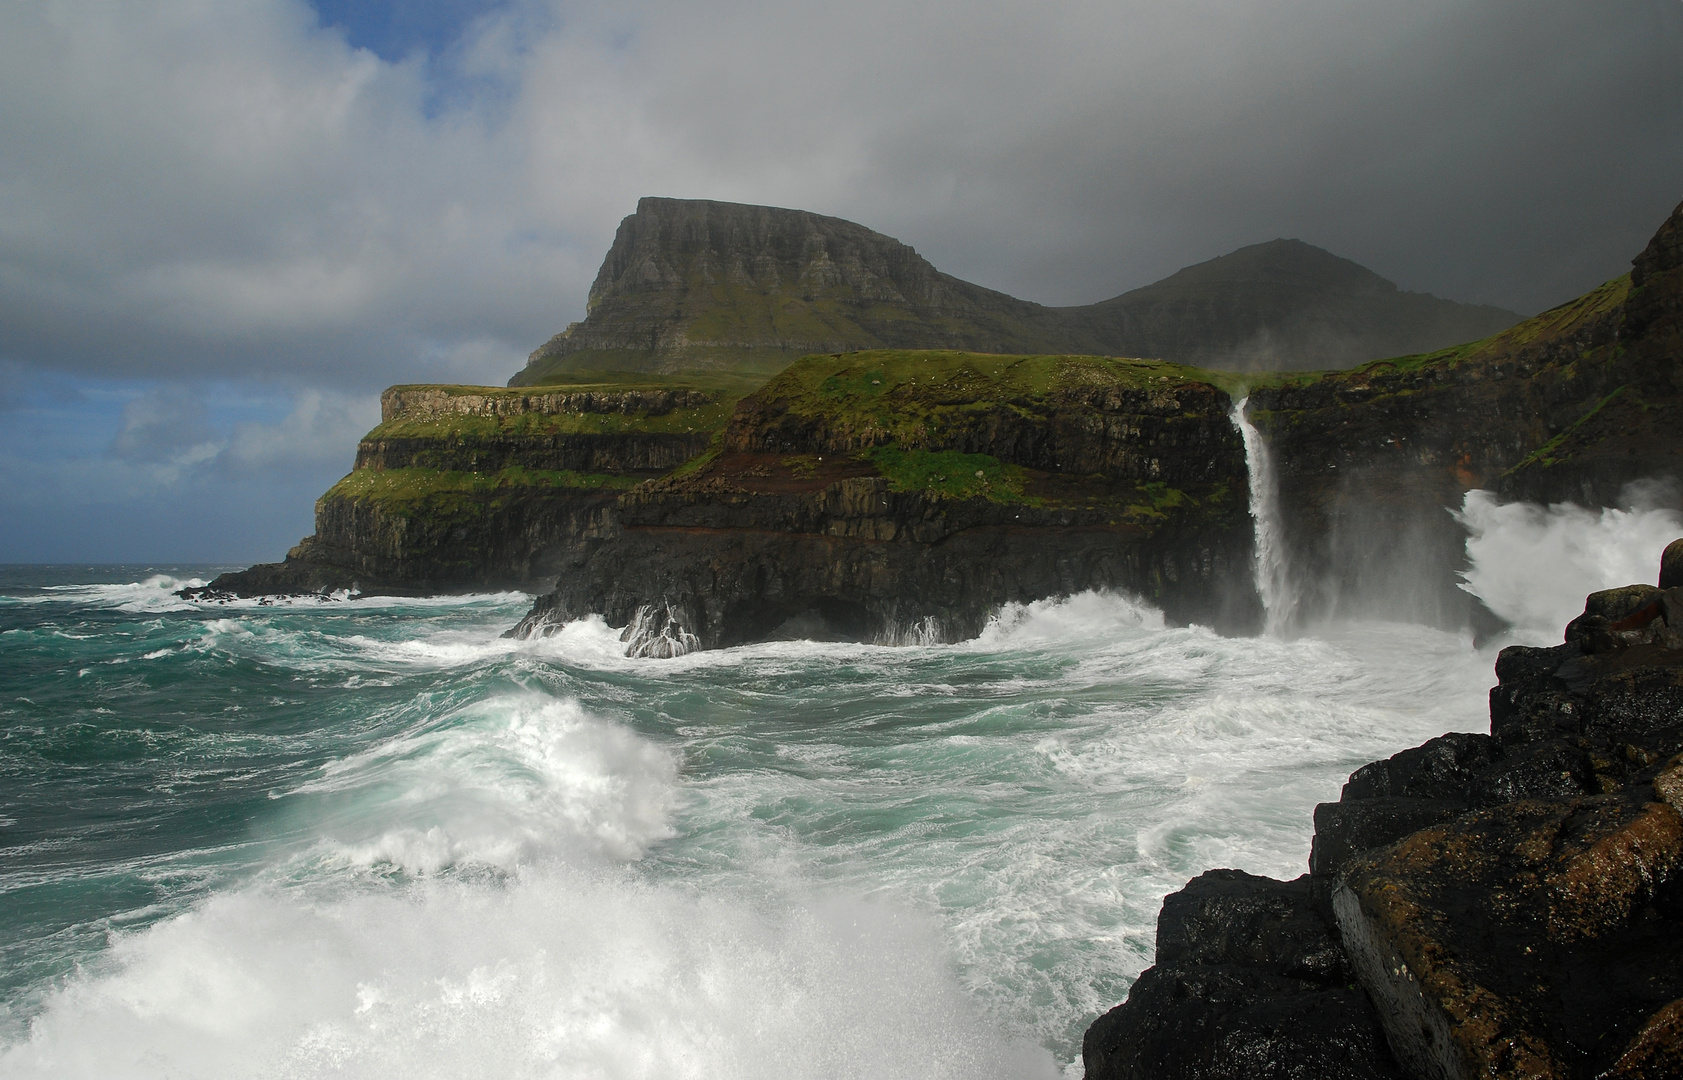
(1501, 905)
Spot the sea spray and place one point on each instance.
(1273, 574)
(658, 631)
(1532, 565)
(556, 974)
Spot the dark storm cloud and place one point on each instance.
(234, 190)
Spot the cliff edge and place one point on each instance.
(1573, 405)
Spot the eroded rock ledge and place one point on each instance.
(1501, 905)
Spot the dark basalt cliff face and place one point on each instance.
(905, 496)
(1569, 406)
(1502, 905)
(463, 488)
(694, 285)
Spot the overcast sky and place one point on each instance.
(225, 227)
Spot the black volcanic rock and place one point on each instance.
(695, 285)
(1250, 981)
(1671, 565)
(1504, 906)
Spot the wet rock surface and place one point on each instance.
(1502, 905)
(1250, 981)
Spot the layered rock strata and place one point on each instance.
(906, 496)
(1501, 905)
(464, 488)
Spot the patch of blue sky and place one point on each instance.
(396, 30)
(434, 33)
(61, 415)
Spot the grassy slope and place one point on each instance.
(405, 491)
(903, 390)
(905, 399)
(907, 394)
(1555, 323)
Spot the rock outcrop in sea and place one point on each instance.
(1484, 905)
(462, 488)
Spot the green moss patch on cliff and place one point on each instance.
(949, 474)
(1549, 454)
(402, 492)
(505, 418)
(1560, 322)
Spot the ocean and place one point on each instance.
(372, 837)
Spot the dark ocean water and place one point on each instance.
(374, 838)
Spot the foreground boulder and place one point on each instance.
(1502, 905)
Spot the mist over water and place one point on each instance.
(373, 838)
(1533, 565)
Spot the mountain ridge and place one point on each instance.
(697, 285)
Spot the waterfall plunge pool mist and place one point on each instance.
(373, 838)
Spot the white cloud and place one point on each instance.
(321, 428)
(194, 189)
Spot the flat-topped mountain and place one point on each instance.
(693, 285)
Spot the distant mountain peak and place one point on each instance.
(700, 285)
(1283, 262)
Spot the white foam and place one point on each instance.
(154, 594)
(1091, 616)
(556, 975)
(499, 783)
(349, 601)
(1533, 565)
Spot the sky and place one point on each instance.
(224, 228)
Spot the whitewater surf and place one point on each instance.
(371, 836)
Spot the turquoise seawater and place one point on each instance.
(375, 838)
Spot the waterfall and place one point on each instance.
(1273, 578)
